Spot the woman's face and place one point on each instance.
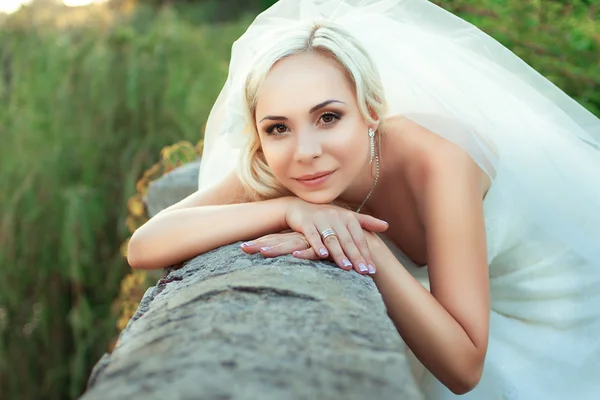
(312, 133)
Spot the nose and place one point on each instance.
(308, 147)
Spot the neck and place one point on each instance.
(359, 189)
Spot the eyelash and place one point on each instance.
(270, 129)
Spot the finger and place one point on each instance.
(271, 240)
(314, 239)
(337, 253)
(350, 248)
(359, 239)
(308, 254)
(288, 247)
(251, 247)
(371, 223)
(335, 249)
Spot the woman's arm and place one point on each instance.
(432, 333)
(203, 221)
(180, 234)
(446, 329)
(219, 215)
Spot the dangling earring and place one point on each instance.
(372, 142)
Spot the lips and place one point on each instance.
(314, 176)
(315, 180)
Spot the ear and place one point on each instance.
(375, 117)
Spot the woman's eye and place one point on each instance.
(329, 118)
(278, 129)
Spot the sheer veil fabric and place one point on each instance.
(452, 78)
(447, 75)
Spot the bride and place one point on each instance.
(387, 135)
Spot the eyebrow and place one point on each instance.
(312, 110)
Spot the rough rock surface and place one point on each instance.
(172, 187)
(232, 326)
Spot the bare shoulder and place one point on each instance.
(449, 187)
(420, 154)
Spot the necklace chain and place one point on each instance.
(374, 183)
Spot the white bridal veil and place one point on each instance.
(452, 78)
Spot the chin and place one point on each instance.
(323, 193)
(317, 197)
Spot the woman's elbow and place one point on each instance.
(470, 375)
(134, 262)
(146, 251)
(133, 255)
(137, 257)
(465, 384)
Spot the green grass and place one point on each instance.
(85, 113)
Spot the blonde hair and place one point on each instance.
(330, 41)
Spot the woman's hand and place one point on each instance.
(290, 242)
(278, 244)
(348, 247)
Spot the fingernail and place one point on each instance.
(346, 262)
(265, 248)
(323, 251)
(248, 244)
(371, 269)
(362, 267)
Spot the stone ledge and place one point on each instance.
(233, 326)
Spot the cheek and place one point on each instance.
(277, 159)
(351, 148)
(352, 136)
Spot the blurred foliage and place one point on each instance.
(559, 38)
(88, 102)
(210, 10)
(134, 285)
(86, 109)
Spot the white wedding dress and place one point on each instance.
(544, 338)
(541, 148)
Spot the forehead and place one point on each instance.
(298, 82)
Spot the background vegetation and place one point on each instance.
(89, 98)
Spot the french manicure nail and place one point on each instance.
(346, 262)
(265, 248)
(296, 253)
(371, 269)
(248, 244)
(362, 267)
(323, 251)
